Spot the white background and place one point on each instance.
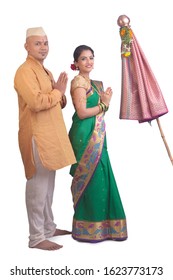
(142, 168)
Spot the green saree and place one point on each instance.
(98, 210)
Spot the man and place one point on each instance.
(43, 139)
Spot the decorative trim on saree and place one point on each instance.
(89, 92)
(99, 231)
(89, 160)
(97, 86)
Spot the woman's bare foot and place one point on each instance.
(61, 232)
(48, 245)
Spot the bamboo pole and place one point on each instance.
(164, 140)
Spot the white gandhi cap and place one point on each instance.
(35, 31)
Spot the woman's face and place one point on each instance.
(85, 62)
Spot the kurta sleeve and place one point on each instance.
(36, 89)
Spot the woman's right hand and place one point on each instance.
(106, 96)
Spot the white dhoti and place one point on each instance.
(39, 198)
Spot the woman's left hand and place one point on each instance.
(106, 96)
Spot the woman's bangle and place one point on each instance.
(100, 108)
(105, 107)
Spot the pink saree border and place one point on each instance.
(89, 160)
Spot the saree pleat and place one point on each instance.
(98, 210)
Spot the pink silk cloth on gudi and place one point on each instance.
(141, 97)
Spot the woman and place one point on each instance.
(98, 211)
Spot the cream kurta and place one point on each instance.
(40, 117)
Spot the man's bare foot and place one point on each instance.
(48, 245)
(61, 232)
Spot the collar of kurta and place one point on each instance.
(31, 58)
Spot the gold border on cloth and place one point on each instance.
(98, 231)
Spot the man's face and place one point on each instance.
(37, 47)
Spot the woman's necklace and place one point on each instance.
(86, 78)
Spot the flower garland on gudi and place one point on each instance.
(126, 38)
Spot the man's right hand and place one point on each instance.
(61, 83)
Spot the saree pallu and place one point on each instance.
(98, 210)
